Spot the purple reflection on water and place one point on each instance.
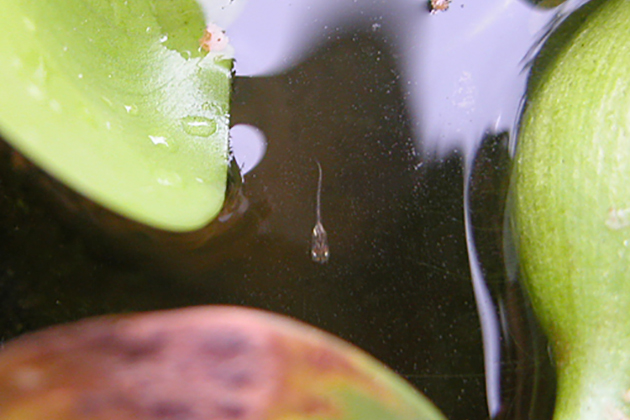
(463, 68)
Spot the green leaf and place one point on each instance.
(199, 363)
(571, 207)
(116, 99)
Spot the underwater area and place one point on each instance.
(392, 125)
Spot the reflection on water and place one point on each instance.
(526, 374)
(461, 71)
(349, 84)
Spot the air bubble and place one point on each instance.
(199, 126)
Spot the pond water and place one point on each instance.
(411, 116)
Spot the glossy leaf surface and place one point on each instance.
(198, 363)
(116, 99)
(571, 204)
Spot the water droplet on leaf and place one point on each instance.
(214, 108)
(168, 178)
(131, 109)
(199, 126)
(159, 140)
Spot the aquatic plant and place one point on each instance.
(570, 207)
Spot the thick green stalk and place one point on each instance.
(571, 207)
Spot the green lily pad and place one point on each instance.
(199, 363)
(117, 100)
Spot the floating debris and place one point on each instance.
(439, 6)
(214, 38)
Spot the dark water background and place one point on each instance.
(398, 282)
